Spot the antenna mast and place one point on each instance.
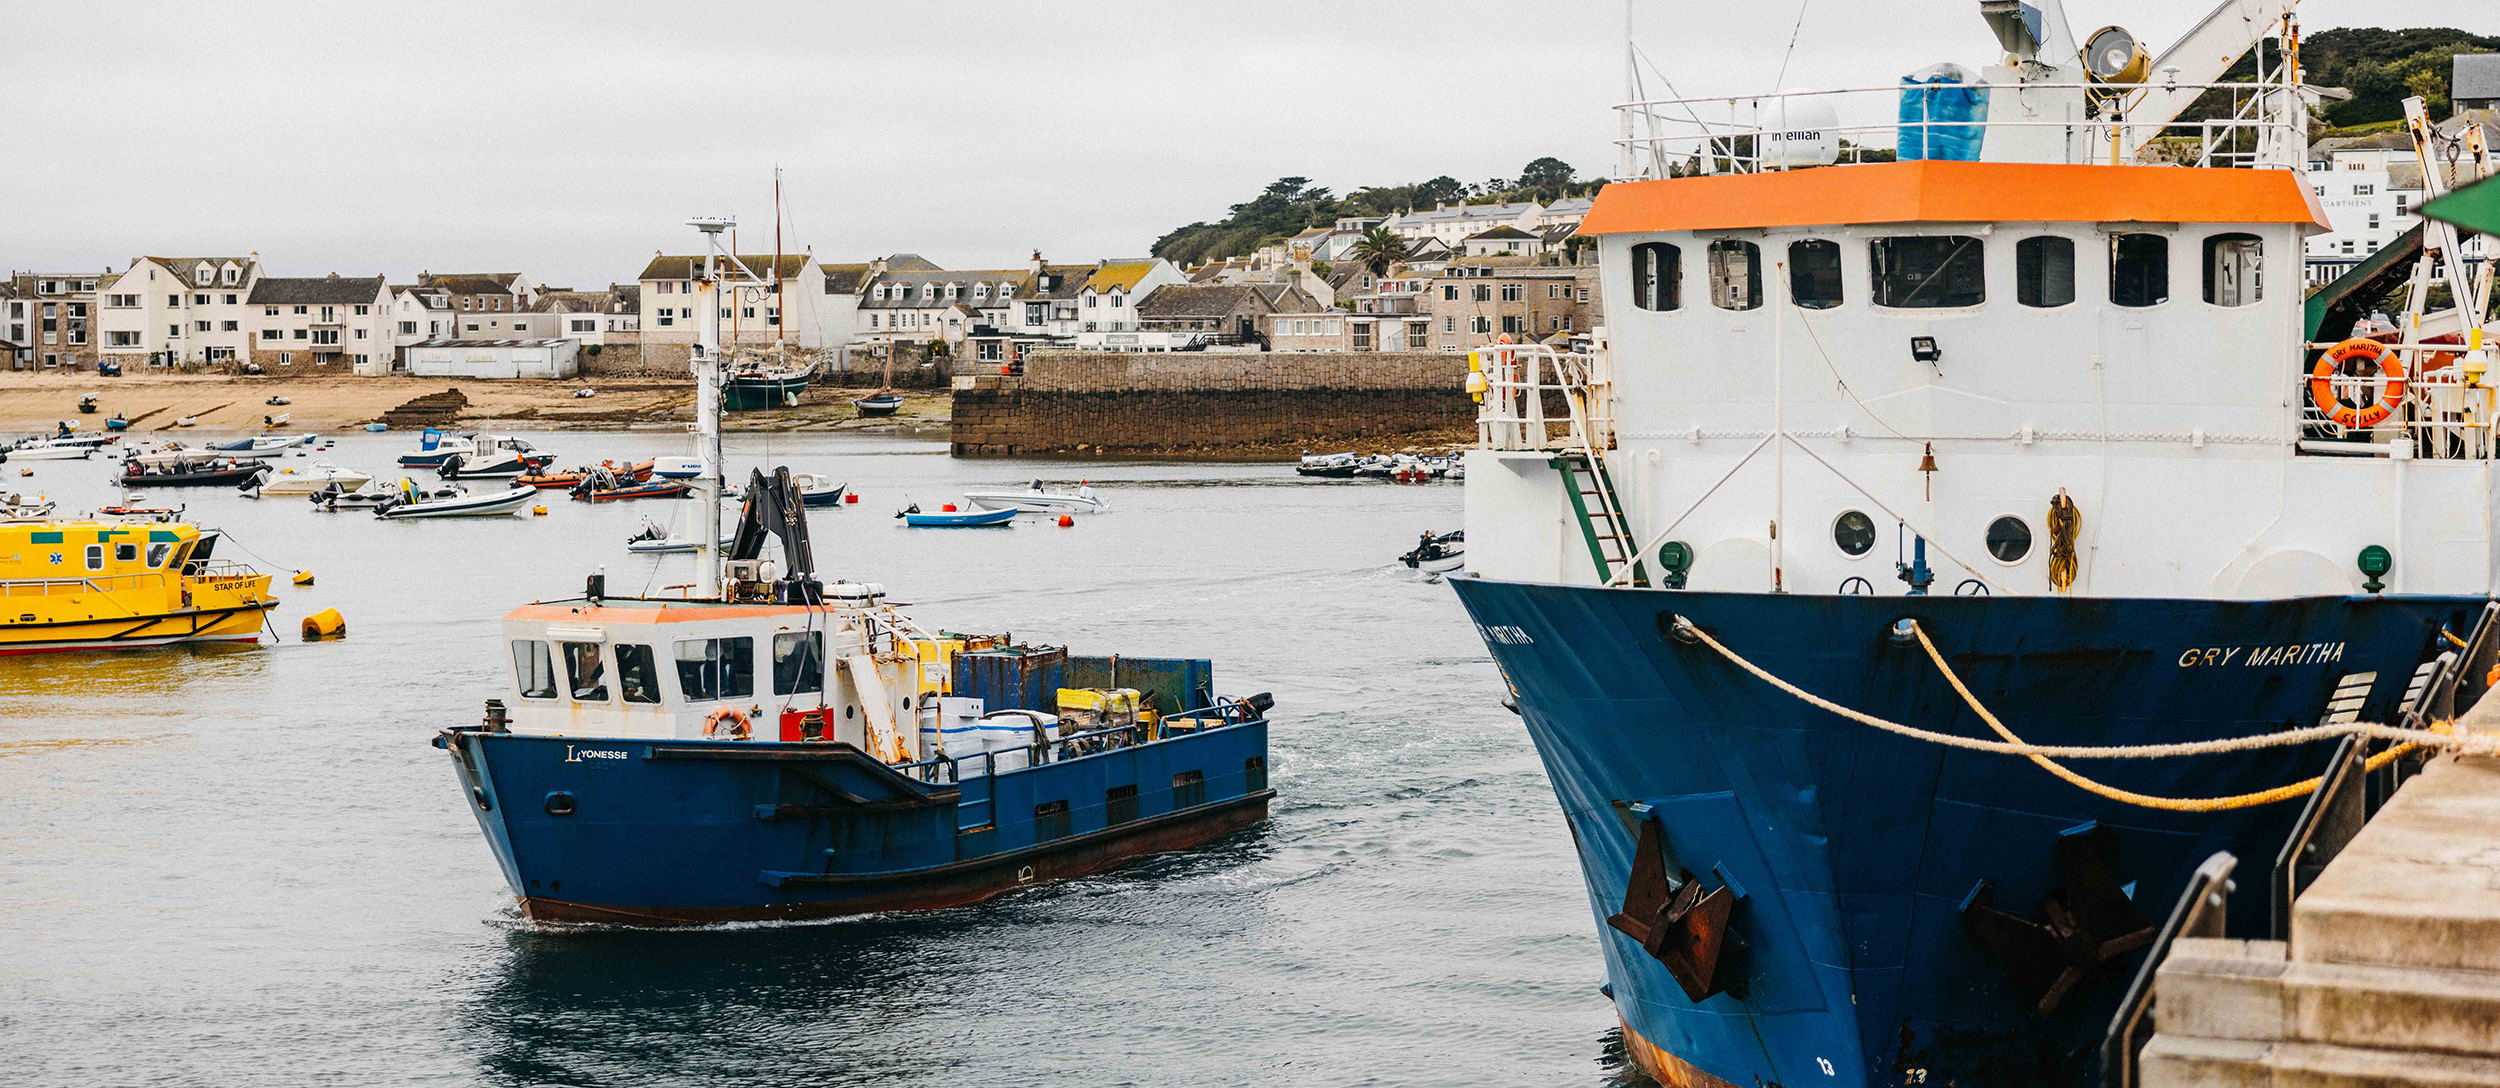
(1631, 93)
(707, 380)
(781, 314)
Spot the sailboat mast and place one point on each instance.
(707, 393)
(781, 314)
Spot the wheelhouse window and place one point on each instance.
(587, 670)
(716, 668)
(1814, 273)
(798, 662)
(2139, 269)
(637, 673)
(2234, 269)
(2044, 271)
(126, 553)
(95, 557)
(1928, 272)
(1735, 275)
(534, 668)
(158, 553)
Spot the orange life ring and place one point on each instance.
(739, 728)
(2322, 388)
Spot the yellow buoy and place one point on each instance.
(538, 511)
(303, 577)
(25, 472)
(326, 623)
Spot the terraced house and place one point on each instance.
(327, 321)
(62, 308)
(166, 310)
(753, 296)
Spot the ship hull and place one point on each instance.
(682, 832)
(1853, 854)
(762, 394)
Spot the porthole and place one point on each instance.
(1854, 533)
(560, 803)
(2009, 539)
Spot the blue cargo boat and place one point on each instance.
(770, 746)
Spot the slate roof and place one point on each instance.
(432, 298)
(1066, 281)
(470, 283)
(316, 291)
(1185, 301)
(1500, 234)
(628, 296)
(573, 302)
(912, 280)
(1457, 213)
(909, 262)
(844, 279)
(2474, 75)
(184, 268)
(665, 267)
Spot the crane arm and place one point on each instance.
(2202, 56)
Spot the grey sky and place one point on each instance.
(568, 140)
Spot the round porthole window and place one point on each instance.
(1854, 533)
(2009, 539)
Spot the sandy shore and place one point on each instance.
(33, 402)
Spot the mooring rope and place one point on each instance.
(2466, 743)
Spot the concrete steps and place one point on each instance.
(2392, 975)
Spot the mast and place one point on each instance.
(781, 313)
(707, 379)
(1631, 93)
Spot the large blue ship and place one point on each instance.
(2023, 436)
(770, 746)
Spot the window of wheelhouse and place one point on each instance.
(637, 673)
(1735, 274)
(2139, 269)
(2234, 269)
(2044, 271)
(533, 668)
(1814, 273)
(716, 668)
(95, 557)
(586, 670)
(798, 662)
(158, 553)
(1657, 276)
(1927, 272)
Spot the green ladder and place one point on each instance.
(1604, 527)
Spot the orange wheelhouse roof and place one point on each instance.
(1930, 191)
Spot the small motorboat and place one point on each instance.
(48, 449)
(276, 421)
(318, 476)
(883, 402)
(1438, 553)
(655, 540)
(435, 447)
(585, 393)
(951, 518)
(656, 489)
(117, 423)
(572, 478)
(341, 497)
(1040, 500)
(186, 421)
(130, 507)
(281, 401)
(416, 502)
(108, 370)
(493, 465)
(224, 473)
(86, 404)
(1330, 466)
(377, 428)
(816, 490)
(258, 446)
(17, 507)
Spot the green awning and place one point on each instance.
(2475, 207)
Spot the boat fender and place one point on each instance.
(728, 720)
(303, 577)
(2322, 389)
(325, 624)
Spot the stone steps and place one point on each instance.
(2392, 975)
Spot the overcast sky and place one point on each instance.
(570, 140)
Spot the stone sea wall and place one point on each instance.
(1066, 402)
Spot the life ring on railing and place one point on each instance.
(729, 719)
(2322, 388)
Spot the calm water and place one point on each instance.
(249, 867)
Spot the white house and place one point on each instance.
(459, 358)
(322, 321)
(1453, 223)
(178, 309)
(1107, 301)
(921, 306)
(420, 313)
(2371, 188)
(751, 306)
(585, 317)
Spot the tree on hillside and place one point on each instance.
(1380, 248)
(1438, 191)
(1546, 179)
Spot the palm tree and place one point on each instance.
(1379, 248)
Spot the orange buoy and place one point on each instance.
(949, 508)
(847, 499)
(1066, 522)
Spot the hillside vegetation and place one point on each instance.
(1291, 205)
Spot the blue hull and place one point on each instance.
(1852, 853)
(675, 832)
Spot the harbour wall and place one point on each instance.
(1188, 402)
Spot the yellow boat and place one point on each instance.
(100, 584)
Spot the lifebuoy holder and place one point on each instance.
(2322, 386)
(728, 719)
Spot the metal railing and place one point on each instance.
(2199, 913)
(1517, 379)
(2445, 414)
(2264, 125)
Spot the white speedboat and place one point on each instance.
(1438, 553)
(47, 449)
(432, 503)
(1040, 500)
(655, 540)
(171, 453)
(266, 445)
(339, 496)
(677, 468)
(318, 476)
